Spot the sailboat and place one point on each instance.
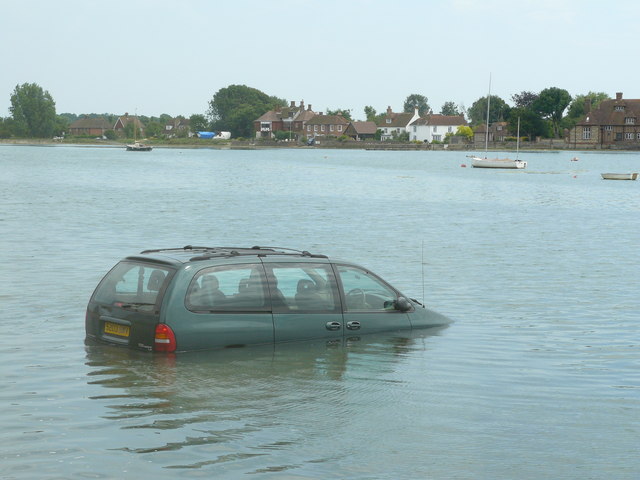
(487, 162)
(137, 146)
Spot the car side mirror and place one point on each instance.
(403, 304)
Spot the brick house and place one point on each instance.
(290, 119)
(326, 125)
(613, 122)
(126, 119)
(96, 126)
(498, 132)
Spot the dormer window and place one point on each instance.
(388, 120)
(630, 120)
(619, 108)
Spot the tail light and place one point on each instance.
(165, 339)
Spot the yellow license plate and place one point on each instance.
(116, 329)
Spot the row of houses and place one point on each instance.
(615, 122)
(98, 126)
(300, 121)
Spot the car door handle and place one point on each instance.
(334, 325)
(353, 325)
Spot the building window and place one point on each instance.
(638, 136)
(437, 138)
(339, 128)
(331, 128)
(608, 128)
(499, 127)
(619, 108)
(586, 133)
(628, 136)
(308, 128)
(322, 128)
(415, 129)
(618, 136)
(388, 120)
(435, 129)
(630, 120)
(315, 128)
(450, 129)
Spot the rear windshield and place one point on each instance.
(132, 284)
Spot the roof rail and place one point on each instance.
(210, 252)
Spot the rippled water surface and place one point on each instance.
(538, 376)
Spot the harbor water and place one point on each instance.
(537, 377)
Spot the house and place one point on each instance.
(434, 127)
(613, 122)
(176, 127)
(326, 125)
(498, 132)
(126, 119)
(95, 127)
(290, 119)
(393, 124)
(361, 130)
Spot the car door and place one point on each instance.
(305, 301)
(226, 306)
(369, 303)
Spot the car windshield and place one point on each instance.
(131, 285)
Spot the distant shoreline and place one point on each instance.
(548, 145)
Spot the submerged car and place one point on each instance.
(199, 298)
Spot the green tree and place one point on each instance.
(450, 108)
(477, 113)
(551, 104)
(524, 99)
(234, 108)
(370, 113)
(414, 100)
(154, 129)
(342, 112)
(466, 132)
(33, 111)
(532, 124)
(198, 123)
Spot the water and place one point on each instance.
(539, 376)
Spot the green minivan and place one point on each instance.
(201, 298)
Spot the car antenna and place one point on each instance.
(422, 262)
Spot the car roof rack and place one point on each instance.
(211, 252)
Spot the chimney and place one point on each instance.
(293, 103)
(301, 104)
(309, 107)
(389, 111)
(619, 96)
(587, 105)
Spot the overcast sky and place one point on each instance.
(159, 56)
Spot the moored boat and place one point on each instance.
(139, 147)
(619, 176)
(478, 162)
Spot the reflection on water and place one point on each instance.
(242, 403)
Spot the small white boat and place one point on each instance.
(575, 159)
(139, 147)
(619, 176)
(478, 162)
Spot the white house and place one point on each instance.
(435, 127)
(394, 124)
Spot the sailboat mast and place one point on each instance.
(518, 140)
(486, 135)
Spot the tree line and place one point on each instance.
(235, 108)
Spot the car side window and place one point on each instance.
(302, 287)
(364, 291)
(228, 288)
